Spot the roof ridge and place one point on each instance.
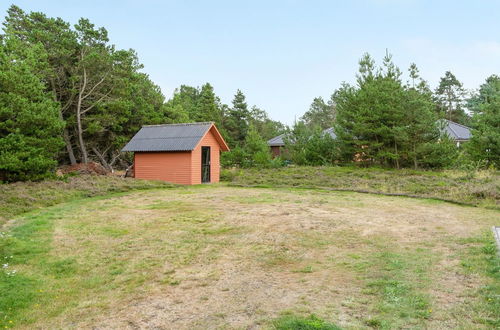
(181, 124)
(170, 137)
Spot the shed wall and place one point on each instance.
(208, 140)
(275, 151)
(167, 166)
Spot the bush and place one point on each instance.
(254, 153)
(442, 154)
(311, 146)
(236, 157)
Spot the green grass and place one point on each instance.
(21, 197)
(292, 322)
(46, 278)
(482, 259)
(481, 189)
(83, 258)
(395, 282)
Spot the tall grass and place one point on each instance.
(480, 189)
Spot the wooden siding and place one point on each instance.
(208, 140)
(275, 151)
(167, 166)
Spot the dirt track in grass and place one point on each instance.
(224, 257)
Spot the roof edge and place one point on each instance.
(218, 137)
(181, 124)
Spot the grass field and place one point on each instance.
(21, 197)
(228, 257)
(479, 188)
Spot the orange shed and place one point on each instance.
(178, 153)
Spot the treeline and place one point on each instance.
(68, 96)
(386, 121)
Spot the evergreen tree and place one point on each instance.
(99, 89)
(382, 121)
(238, 118)
(182, 107)
(60, 44)
(485, 141)
(320, 114)
(370, 117)
(30, 127)
(256, 149)
(266, 127)
(208, 105)
(450, 97)
(420, 119)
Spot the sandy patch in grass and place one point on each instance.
(232, 257)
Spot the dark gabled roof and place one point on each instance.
(457, 131)
(278, 141)
(170, 137)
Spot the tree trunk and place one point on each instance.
(66, 138)
(79, 119)
(397, 155)
(415, 165)
(103, 159)
(83, 149)
(67, 142)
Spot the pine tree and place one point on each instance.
(266, 127)
(60, 44)
(450, 96)
(382, 121)
(370, 115)
(485, 141)
(207, 106)
(320, 114)
(30, 127)
(420, 118)
(238, 118)
(256, 149)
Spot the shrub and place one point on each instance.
(442, 154)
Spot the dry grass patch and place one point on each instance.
(215, 256)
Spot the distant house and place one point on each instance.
(458, 133)
(178, 153)
(277, 143)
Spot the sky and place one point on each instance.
(284, 53)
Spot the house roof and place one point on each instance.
(172, 137)
(278, 141)
(457, 131)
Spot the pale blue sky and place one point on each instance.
(282, 54)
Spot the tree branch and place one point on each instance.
(96, 103)
(95, 86)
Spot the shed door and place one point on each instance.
(205, 164)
